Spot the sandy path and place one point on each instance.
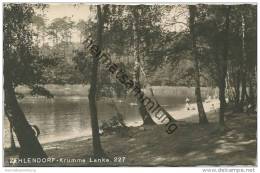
(184, 113)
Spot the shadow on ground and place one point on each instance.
(190, 145)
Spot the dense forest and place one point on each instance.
(194, 46)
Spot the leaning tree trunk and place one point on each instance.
(13, 147)
(11, 127)
(168, 115)
(97, 149)
(30, 146)
(146, 117)
(202, 115)
(119, 115)
(150, 89)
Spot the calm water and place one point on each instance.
(66, 117)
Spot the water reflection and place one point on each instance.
(66, 117)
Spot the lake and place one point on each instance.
(67, 116)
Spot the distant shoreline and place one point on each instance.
(82, 90)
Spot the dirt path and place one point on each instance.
(183, 113)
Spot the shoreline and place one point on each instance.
(190, 145)
(180, 114)
(82, 90)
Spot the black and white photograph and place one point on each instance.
(88, 84)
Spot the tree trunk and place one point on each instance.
(13, 147)
(118, 114)
(244, 69)
(222, 102)
(237, 92)
(162, 109)
(223, 71)
(230, 89)
(97, 149)
(251, 94)
(30, 146)
(243, 92)
(252, 88)
(202, 115)
(149, 87)
(146, 117)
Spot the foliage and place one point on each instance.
(19, 50)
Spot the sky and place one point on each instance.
(81, 11)
(75, 11)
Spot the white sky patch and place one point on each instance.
(58, 10)
(177, 19)
(76, 11)
(173, 21)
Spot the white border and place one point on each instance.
(117, 169)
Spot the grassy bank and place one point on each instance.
(189, 145)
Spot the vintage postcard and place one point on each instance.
(121, 84)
